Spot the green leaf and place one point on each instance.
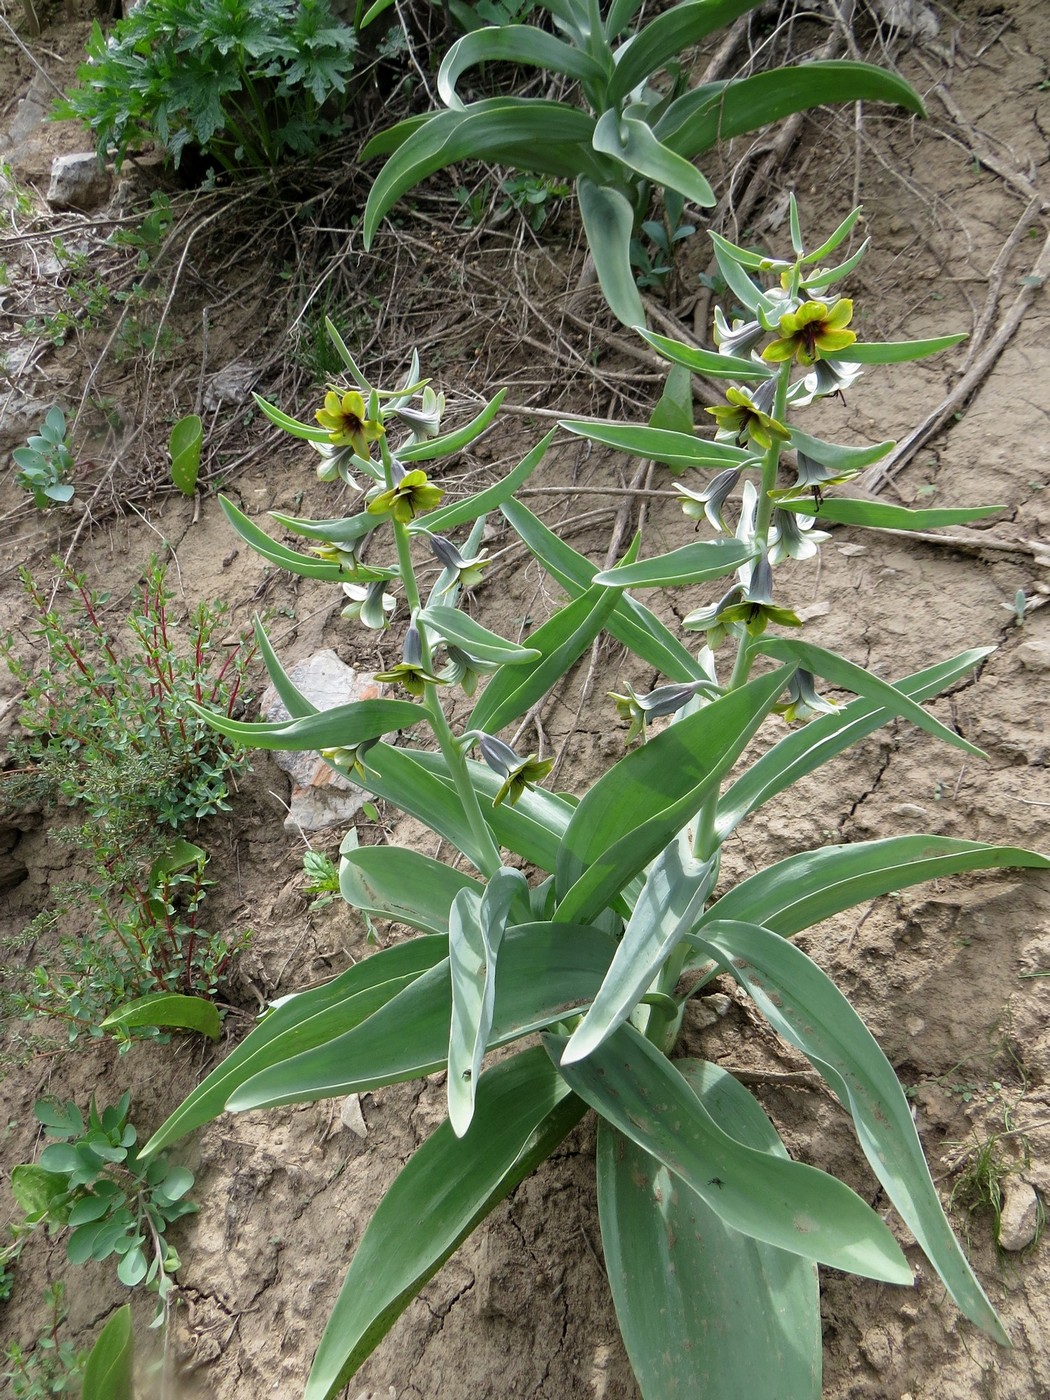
(343, 726)
(35, 1188)
(463, 512)
(811, 745)
(676, 888)
(784, 1203)
(707, 362)
(659, 445)
(560, 642)
(841, 672)
(513, 43)
(841, 233)
(630, 622)
(704, 1310)
(167, 1009)
(451, 625)
(674, 409)
(175, 1185)
(109, 1370)
(633, 144)
(838, 458)
(132, 1267)
(544, 971)
(399, 776)
(608, 221)
(304, 1020)
(475, 933)
(523, 1111)
(877, 515)
(798, 892)
(706, 117)
(663, 38)
(184, 445)
(551, 138)
(633, 811)
(288, 559)
(345, 531)
(308, 432)
(894, 352)
(293, 700)
(390, 882)
(804, 1006)
(447, 443)
(693, 563)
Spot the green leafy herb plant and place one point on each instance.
(595, 918)
(52, 1365)
(627, 135)
(92, 1182)
(46, 464)
(110, 738)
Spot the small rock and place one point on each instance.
(1034, 656)
(321, 797)
(1019, 1218)
(230, 385)
(351, 1117)
(876, 1348)
(78, 182)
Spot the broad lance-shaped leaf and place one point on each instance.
(109, 1370)
(798, 892)
(463, 512)
(343, 726)
(305, 565)
(633, 144)
(343, 531)
(839, 671)
(560, 642)
(476, 928)
(711, 363)
(303, 1020)
(813, 744)
(661, 444)
(894, 352)
(290, 696)
(807, 1009)
(513, 43)
(445, 444)
(693, 563)
(608, 221)
(837, 457)
(167, 1009)
(677, 886)
(630, 622)
(523, 1111)
(451, 625)
(704, 1310)
(396, 776)
(633, 811)
(544, 972)
(391, 882)
(786, 1204)
(880, 515)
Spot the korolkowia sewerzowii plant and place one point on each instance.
(626, 135)
(621, 918)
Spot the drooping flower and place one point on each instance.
(664, 700)
(738, 339)
(792, 536)
(410, 671)
(744, 419)
(710, 502)
(803, 701)
(411, 493)
(346, 421)
(827, 377)
(348, 759)
(464, 573)
(812, 331)
(517, 773)
(424, 421)
(369, 604)
(465, 670)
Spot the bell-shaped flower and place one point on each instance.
(465, 670)
(755, 608)
(738, 339)
(345, 419)
(792, 536)
(710, 502)
(812, 331)
(411, 493)
(369, 604)
(410, 671)
(803, 702)
(464, 572)
(827, 377)
(348, 759)
(637, 709)
(424, 421)
(517, 773)
(744, 419)
(335, 462)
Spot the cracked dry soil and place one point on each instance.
(950, 977)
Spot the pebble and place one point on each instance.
(1034, 656)
(1019, 1218)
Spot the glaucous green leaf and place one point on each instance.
(894, 352)
(544, 971)
(693, 563)
(641, 1093)
(704, 1310)
(841, 672)
(345, 531)
(448, 517)
(452, 625)
(445, 444)
(804, 1006)
(513, 43)
(307, 1019)
(707, 362)
(633, 144)
(167, 1009)
(837, 457)
(390, 882)
(880, 515)
(608, 221)
(399, 776)
(522, 1112)
(305, 565)
(811, 745)
(309, 432)
(798, 892)
(664, 38)
(109, 1370)
(661, 445)
(290, 696)
(343, 726)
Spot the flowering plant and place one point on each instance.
(596, 919)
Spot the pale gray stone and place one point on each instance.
(1019, 1218)
(78, 182)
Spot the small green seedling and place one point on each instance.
(45, 464)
